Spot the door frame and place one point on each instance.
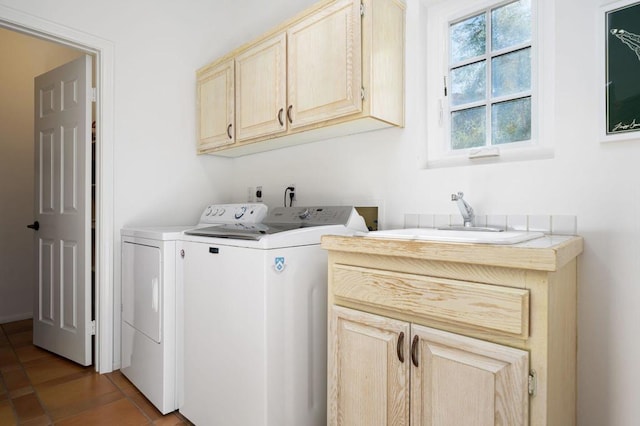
(103, 51)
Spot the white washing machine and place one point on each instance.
(151, 345)
(256, 316)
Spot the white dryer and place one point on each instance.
(256, 318)
(152, 294)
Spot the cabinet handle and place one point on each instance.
(289, 113)
(400, 347)
(229, 131)
(414, 350)
(280, 116)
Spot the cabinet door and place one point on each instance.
(261, 89)
(463, 381)
(325, 65)
(368, 366)
(216, 106)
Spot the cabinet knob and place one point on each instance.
(400, 347)
(414, 350)
(229, 131)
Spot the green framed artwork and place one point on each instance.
(622, 70)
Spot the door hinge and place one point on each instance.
(533, 383)
(361, 9)
(93, 327)
(94, 94)
(362, 93)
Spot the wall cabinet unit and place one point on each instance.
(216, 105)
(335, 69)
(436, 333)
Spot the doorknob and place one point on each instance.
(35, 225)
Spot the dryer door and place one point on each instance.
(142, 288)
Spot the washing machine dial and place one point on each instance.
(240, 212)
(208, 211)
(221, 211)
(305, 214)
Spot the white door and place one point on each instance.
(62, 306)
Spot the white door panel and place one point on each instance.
(62, 312)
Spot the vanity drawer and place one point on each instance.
(489, 307)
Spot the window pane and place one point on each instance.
(511, 121)
(468, 38)
(511, 25)
(511, 73)
(468, 83)
(468, 128)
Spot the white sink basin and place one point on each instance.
(456, 236)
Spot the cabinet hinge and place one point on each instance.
(361, 9)
(533, 383)
(93, 327)
(362, 93)
(94, 94)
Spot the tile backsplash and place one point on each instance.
(549, 224)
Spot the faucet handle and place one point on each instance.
(456, 197)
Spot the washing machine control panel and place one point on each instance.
(233, 213)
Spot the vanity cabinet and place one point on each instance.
(447, 333)
(335, 69)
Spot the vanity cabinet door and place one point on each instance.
(368, 366)
(325, 65)
(457, 380)
(216, 100)
(261, 89)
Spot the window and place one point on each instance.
(486, 82)
(490, 77)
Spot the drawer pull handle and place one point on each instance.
(400, 347)
(414, 350)
(229, 131)
(289, 113)
(280, 117)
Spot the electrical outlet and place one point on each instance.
(259, 193)
(293, 191)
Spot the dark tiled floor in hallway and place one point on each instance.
(40, 388)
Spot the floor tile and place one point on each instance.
(122, 382)
(46, 369)
(7, 416)
(23, 338)
(169, 420)
(8, 358)
(18, 326)
(38, 421)
(15, 379)
(30, 353)
(70, 398)
(27, 407)
(122, 412)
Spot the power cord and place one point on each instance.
(292, 193)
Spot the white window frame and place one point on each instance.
(439, 154)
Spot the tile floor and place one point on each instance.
(40, 388)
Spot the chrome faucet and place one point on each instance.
(465, 209)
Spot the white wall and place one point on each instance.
(159, 180)
(22, 58)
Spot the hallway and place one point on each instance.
(40, 388)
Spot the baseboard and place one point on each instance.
(16, 317)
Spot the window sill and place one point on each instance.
(506, 155)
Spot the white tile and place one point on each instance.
(517, 222)
(481, 220)
(411, 220)
(564, 225)
(498, 221)
(456, 220)
(540, 223)
(426, 221)
(441, 220)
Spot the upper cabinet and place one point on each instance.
(216, 110)
(335, 69)
(324, 73)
